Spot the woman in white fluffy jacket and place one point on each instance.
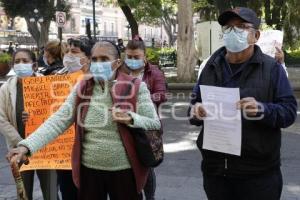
(13, 119)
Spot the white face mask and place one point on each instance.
(236, 40)
(23, 70)
(72, 63)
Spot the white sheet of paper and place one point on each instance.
(270, 39)
(222, 126)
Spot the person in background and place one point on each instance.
(13, 119)
(54, 52)
(77, 56)
(104, 159)
(11, 49)
(40, 60)
(139, 67)
(137, 62)
(121, 45)
(279, 57)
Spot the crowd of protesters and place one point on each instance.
(104, 162)
(106, 167)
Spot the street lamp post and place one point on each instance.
(36, 17)
(94, 18)
(128, 27)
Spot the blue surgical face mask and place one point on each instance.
(23, 70)
(102, 70)
(134, 64)
(72, 63)
(236, 40)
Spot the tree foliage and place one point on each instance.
(138, 11)
(153, 12)
(291, 24)
(206, 9)
(278, 14)
(46, 8)
(169, 18)
(146, 11)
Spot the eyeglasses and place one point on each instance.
(237, 28)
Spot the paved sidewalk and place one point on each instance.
(179, 177)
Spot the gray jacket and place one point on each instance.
(8, 121)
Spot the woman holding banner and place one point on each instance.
(104, 159)
(13, 119)
(76, 58)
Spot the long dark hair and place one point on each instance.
(31, 55)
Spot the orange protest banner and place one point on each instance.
(42, 97)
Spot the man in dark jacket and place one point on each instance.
(267, 104)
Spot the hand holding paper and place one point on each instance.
(269, 40)
(222, 125)
(249, 106)
(198, 111)
(279, 55)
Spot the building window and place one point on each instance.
(112, 29)
(105, 28)
(73, 25)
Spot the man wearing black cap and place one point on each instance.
(267, 104)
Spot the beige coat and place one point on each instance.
(8, 121)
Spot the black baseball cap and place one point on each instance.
(243, 13)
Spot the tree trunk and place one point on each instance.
(168, 28)
(277, 13)
(130, 18)
(268, 15)
(257, 6)
(40, 37)
(33, 30)
(186, 59)
(44, 33)
(13, 23)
